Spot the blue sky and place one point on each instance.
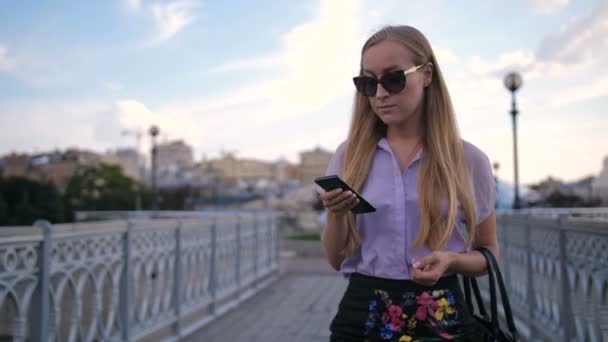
(269, 79)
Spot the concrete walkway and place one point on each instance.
(297, 308)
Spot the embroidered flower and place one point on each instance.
(439, 315)
(395, 311)
(386, 318)
(434, 309)
(443, 308)
(424, 299)
(372, 305)
(451, 299)
(421, 313)
(386, 333)
(427, 305)
(437, 293)
(446, 336)
(397, 324)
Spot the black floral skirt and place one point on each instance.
(377, 309)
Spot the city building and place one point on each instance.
(174, 155)
(312, 165)
(15, 165)
(600, 184)
(132, 162)
(234, 169)
(55, 167)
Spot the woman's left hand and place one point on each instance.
(429, 269)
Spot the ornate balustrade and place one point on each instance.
(555, 264)
(159, 275)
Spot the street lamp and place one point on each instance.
(513, 82)
(153, 134)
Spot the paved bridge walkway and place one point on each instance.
(297, 308)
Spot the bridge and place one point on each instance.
(198, 276)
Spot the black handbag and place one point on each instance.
(488, 325)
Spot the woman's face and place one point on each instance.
(406, 105)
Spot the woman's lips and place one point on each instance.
(386, 107)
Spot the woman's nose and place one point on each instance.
(381, 92)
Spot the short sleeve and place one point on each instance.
(483, 182)
(336, 162)
(334, 167)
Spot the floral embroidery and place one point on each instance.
(394, 321)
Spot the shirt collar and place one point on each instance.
(383, 144)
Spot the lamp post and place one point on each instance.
(153, 134)
(513, 82)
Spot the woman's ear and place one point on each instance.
(428, 74)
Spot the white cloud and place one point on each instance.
(546, 7)
(172, 17)
(133, 6)
(582, 39)
(444, 56)
(316, 60)
(132, 113)
(7, 63)
(520, 61)
(580, 93)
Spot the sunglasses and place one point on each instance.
(393, 82)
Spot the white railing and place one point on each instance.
(555, 264)
(158, 276)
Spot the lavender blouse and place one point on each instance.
(388, 235)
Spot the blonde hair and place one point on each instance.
(443, 172)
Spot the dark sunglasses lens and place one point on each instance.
(366, 85)
(393, 82)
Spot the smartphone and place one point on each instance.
(329, 183)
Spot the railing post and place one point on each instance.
(238, 252)
(126, 295)
(255, 244)
(529, 280)
(41, 302)
(213, 275)
(177, 283)
(268, 241)
(506, 266)
(566, 314)
(276, 237)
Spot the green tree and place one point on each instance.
(3, 210)
(104, 187)
(23, 201)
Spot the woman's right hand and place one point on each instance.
(339, 202)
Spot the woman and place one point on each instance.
(434, 195)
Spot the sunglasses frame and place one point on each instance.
(378, 80)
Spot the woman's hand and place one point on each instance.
(429, 269)
(339, 202)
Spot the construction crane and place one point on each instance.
(137, 132)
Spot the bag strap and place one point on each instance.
(471, 284)
(470, 280)
(503, 292)
(495, 326)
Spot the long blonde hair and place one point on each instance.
(443, 171)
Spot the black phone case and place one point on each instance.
(329, 183)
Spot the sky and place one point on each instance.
(269, 79)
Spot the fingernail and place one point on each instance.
(416, 264)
